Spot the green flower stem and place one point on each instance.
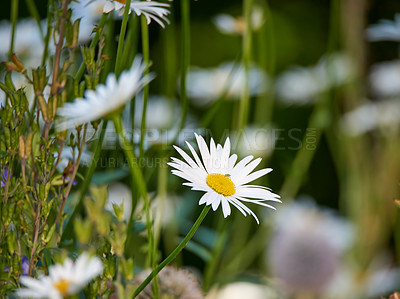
(93, 44)
(118, 62)
(131, 41)
(146, 60)
(304, 156)
(266, 57)
(69, 228)
(137, 180)
(185, 8)
(50, 5)
(246, 48)
(173, 253)
(14, 18)
(34, 13)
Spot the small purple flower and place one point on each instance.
(25, 265)
(3, 177)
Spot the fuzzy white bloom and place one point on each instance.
(373, 115)
(385, 30)
(256, 141)
(152, 10)
(385, 78)
(89, 12)
(306, 247)
(63, 280)
(302, 85)
(227, 24)
(223, 180)
(207, 85)
(161, 112)
(239, 290)
(28, 41)
(120, 195)
(106, 98)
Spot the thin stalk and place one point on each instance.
(137, 179)
(14, 18)
(34, 13)
(118, 62)
(185, 8)
(174, 253)
(246, 48)
(305, 154)
(48, 32)
(146, 60)
(266, 57)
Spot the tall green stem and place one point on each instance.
(185, 7)
(246, 48)
(146, 60)
(173, 253)
(137, 179)
(118, 62)
(14, 18)
(305, 154)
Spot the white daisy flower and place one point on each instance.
(223, 180)
(152, 10)
(385, 30)
(106, 98)
(63, 280)
(89, 12)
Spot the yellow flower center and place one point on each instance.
(221, 184)
(121, 1)
(63, 286)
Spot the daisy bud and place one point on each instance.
(43, 107)
(39, 80)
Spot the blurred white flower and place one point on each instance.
(207, 85)
(28, 42)
(385, 78)
(305, 250)
(63, 280)
(240, 290)
(161, 112)
(119, 194)
(152, 10)
(106, 98)
(385, 30)
(89, 12)
(255, 141)
(230, 25)
(302, 85)
(373, 115)
(222, 179)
